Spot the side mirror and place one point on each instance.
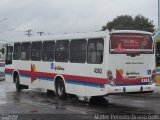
(3, 50)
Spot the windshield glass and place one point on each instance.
(125, 43)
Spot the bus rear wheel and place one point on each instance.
(60, 89)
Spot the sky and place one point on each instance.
(67, 16)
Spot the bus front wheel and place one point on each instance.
(60, 89)
(18, 86)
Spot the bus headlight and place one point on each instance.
(110, 78)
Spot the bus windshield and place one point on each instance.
(131, 43)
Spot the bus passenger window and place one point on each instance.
(17, 51)
(25, 51)
(62, 51)
(48, 51)
(9, 55)
(95, 51)
(36, 51)
(78, 51)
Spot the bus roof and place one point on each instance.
(131, 31)
(75, 35)
(62, 36)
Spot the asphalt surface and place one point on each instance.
(34, 104)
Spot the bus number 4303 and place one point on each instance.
(145, 80)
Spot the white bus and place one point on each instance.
(84, 64)
(2, 66)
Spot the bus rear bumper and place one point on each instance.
(130, 89)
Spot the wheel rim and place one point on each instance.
(16, 80)
(60, 90)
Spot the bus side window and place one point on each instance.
(36, 51)
(26, 51)
(17, 51)
(48, 50)
(9, 55)
(95, 51)
(62, 51)
(78, 51)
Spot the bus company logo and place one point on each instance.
(58, 68)
(54, 67)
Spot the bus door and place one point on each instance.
(132, 59)
(8, 61)
(9, 50)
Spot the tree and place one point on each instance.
(142, 23)
(126, 22)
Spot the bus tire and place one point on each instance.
(98, 100)
(50, 92)
(60, 89)
(18, 85)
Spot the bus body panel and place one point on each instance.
(85, 79)
(132, 66)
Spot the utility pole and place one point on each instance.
(40, 33)
(158, 14)
(28, 32)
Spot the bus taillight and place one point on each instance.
(110, 77)
(153, 75)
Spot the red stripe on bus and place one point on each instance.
(67, 77)
(86, 79)
(78, 78)
(8, 70)
(45, 74)
(137, 80)
(24, 72)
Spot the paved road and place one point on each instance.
(34, 104)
